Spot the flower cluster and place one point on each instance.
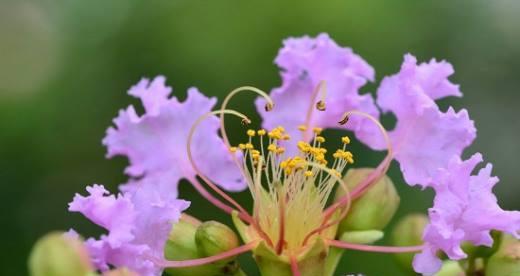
(287, 171)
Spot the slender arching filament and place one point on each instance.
(241, 210)
(379, 172)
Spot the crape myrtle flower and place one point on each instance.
(286, 168)
(137, 222)
(465, 209)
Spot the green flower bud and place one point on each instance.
(375, 208)
(408, 232)
(362, 237)
(311, 262)
(191, 239)
(58, 255)
(450, 268)
(214, 237)
(506, 261)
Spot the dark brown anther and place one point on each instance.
(344, 120)
(320, 105)
(245, 122)
(268, 107)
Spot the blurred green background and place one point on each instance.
(65, 67)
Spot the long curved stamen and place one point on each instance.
(227, 99)
(381, 169)
(268, 107)
(199, 172)
(294, 266)
(202, 261)
(375, 248)
(320, 105)
(215, 201)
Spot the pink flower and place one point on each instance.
(465, 209)
(424, 138)
(305, 62)
(138, 224)
(155, 142)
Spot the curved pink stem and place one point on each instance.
(202, 261)
(215, 201)
(375, 248)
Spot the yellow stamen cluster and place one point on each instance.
(345, 155)
(291, 164)
(303, 182)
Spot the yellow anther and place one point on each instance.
(317, 130)
(286, 137)
(249, 146)
(345, 140)
(280, 128)
(261, 132)
(322, 150)
(280, 150)
(320, 157)
(255, 152)
(271, 147)
(350, 160)
(302, 127)
(303, 146)
(308, 173)
(251, 133)
(275, 134)
(242, 146)
(233, 149)
(320, 139)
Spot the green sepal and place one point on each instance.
(310, 263)
(241, 227)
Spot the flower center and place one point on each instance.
(290, 192)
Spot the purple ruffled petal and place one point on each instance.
(138, 223)
(465, 209)
(424, 138)
(155, 142)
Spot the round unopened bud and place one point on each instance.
(408, 232)
(450, 268)
(213, 237)
(506, 261)
(192, 239)
(375, 208)
(56, 254)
